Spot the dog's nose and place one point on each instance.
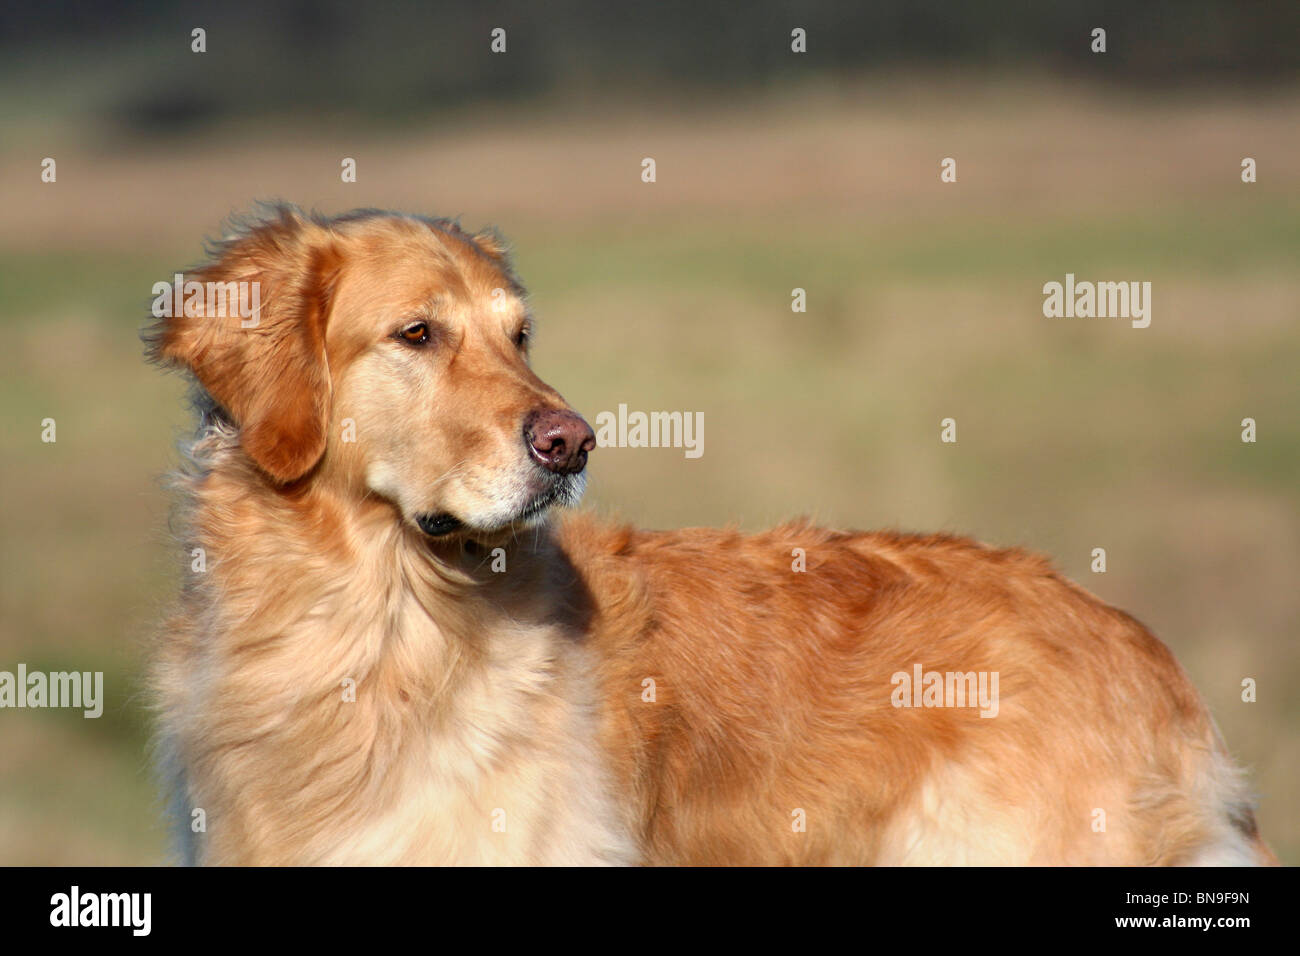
(559, 440)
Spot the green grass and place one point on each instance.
(1242, 237)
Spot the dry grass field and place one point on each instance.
(924, 302)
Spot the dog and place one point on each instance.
(394, 646)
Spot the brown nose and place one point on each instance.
(559, 440)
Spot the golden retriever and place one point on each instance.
(371, 664)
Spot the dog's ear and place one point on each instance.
(268, 369)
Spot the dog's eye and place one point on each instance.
(521, 337)
(417, 333)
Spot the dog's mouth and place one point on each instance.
(563, 491)
(541, 502)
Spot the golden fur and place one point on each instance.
(611, 695)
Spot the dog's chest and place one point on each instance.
(447, 805)
(497, 765)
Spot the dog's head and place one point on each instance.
(386, 354)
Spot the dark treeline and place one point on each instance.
(392, 59)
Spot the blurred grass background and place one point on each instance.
(924, 302)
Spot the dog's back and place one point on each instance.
(777, 731)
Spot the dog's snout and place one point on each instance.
(558, 440)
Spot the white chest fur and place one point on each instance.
(364, 726)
